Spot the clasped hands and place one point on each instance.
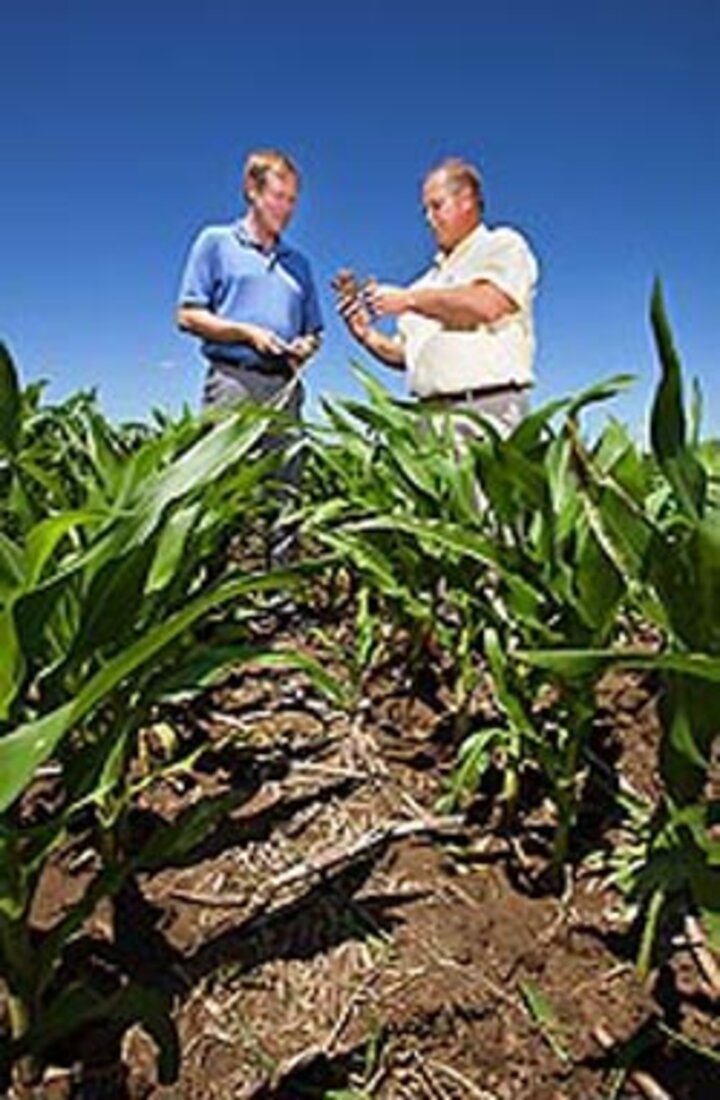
(361, 303)
(297, 351)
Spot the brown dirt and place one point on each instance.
(405, 973)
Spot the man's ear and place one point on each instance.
(468, 199)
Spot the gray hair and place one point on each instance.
(460, 174)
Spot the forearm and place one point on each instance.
(388, 349)
(201, 322)
(462, 307)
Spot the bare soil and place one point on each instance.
(330, 933)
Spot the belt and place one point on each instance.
(273, 365)
(477, 394)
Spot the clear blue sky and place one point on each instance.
(124, 125)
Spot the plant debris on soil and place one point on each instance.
(333, 935)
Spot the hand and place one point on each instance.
(264, 341)
(385, 300)
(351, 305)
(356, 316)
(302, 348)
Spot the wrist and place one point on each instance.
(247, 333)
(411, 301)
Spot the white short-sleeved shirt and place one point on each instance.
(444, 361)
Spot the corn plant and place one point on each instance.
(553, 580)
(484, 547)
(382, 472)
(104, 583)
(50, 454)
(667, 546)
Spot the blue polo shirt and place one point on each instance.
(230, 274)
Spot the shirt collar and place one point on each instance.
(243, 234)
(442, 259)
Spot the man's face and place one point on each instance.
(451, 212)
(274, 202)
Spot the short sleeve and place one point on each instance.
(197, 282)
(509, 265)
(312, 315)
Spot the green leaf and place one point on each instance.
(616, 456)
(437, 535)
(171, 546)
(688, 712)
(545, 1017)
(681, 1040)
(12, 664)
(174, 842)
(599, 584)
(530, 429)
(600, 391)
(563, 491)
(369, 558)
(685, 570)
(510, 700)
(110, 606)
(228, 441)
(681, 736)
(625, 535)
(203, 669)
(706, 892)
(28, 746)
(78, 1006)
(667, 423)
(474, 758)
(10, 402)
(319, 676)
(366, 628)
(667, 428)
(346, 1094)
(590, 662)
(705, 553)
(44, 622)
(198, 671)
(44, 537)
(12, 568)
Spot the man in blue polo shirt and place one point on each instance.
(250, 297)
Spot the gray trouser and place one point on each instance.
(504, 409)
(229, 384)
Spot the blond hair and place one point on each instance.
(460, 174)
(263, 161)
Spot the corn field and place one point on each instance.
(508, 580)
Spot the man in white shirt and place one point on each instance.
(465, 327)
